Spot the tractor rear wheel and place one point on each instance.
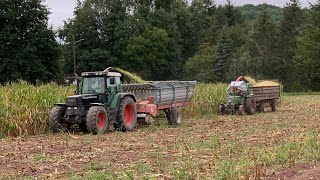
(57, 120)
(174, 116)
(261, 106)
(250, 106)
(97, 120)
(241, 110)
(273, 105)
(127, 115)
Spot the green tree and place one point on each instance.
(287, 43)
(241, 63)
(202, 14)
(223, 54)
(184, 25)
(28, 49)
(250, 12)
(200, 66)
(262, 45)
(147, 52)
(306, 59)
(228, 15)
(103, 28)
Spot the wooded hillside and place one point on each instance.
(165, 40)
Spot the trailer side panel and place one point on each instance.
(266, 93)
(166, 94)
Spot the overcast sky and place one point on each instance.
(63, 9)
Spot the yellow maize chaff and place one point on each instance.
(135, 78)
(261, 83)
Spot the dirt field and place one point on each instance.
(272, 145)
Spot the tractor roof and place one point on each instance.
(101, 73)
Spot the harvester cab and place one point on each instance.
(238, 88)
(98, 103)
(240, 99)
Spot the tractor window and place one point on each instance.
(112, 80)
(93, 85)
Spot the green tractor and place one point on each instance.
(99, 102)
(240, 99)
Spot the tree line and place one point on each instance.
(165, 40)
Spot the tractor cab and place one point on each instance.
(101, 83)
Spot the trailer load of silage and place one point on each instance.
(250, 80)
(260, 83)
(267, 83)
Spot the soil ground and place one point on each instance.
(298, 172)
(193, 150)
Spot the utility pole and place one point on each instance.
(74, 59)
(74, 55)
(74, 42)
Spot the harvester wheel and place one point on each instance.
(57, 121)
(221, 109)
(250, 106)
(261, 106)
(127, 115)
(241, 110)
(273, 105)
(97, 120)
(174, 116)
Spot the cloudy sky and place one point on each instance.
(63, 9)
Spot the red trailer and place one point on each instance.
(167, 96)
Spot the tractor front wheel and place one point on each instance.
(174, 116)
(97, 120)
(241, 110)
(127, 115)
(57, 121)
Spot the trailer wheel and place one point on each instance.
(127, 115)
(250, 106)
(261, 106)
(174, 116)
(97, 120)
(273, 105)
(221, 109)
(57, 121)
(241, 110)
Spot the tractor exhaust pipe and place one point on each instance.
(77, 79)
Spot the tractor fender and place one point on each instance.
(123, 95)
(60, 104)
(97, 104)
(118, 97)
